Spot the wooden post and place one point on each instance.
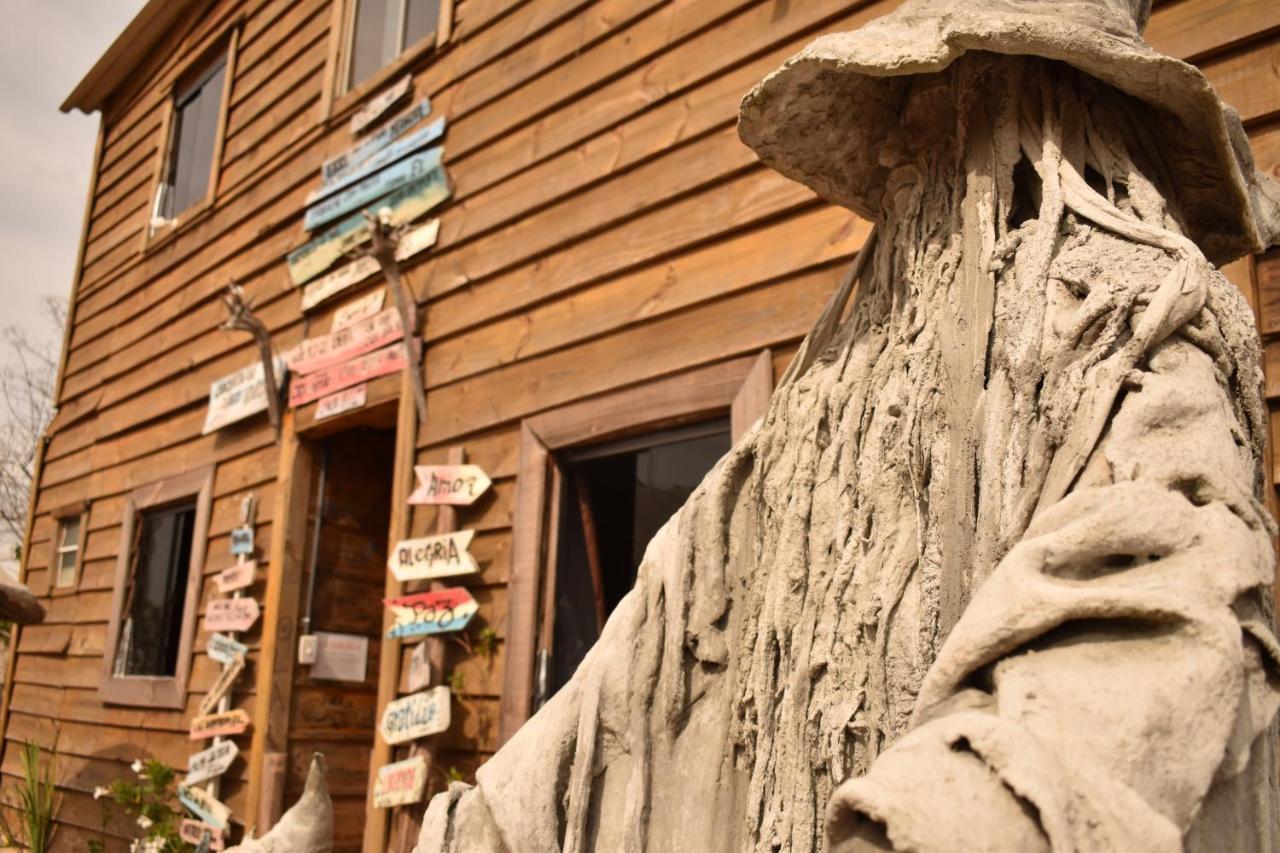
(274, 685)
(375, 825)
(384, 252)
(408, 819)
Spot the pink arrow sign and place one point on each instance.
(431, 612)
(232, 614)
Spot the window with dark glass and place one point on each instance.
(383, 29)
(67, 558)
(615, 497)
(196, 111)
(151, 631)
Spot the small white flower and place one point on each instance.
(137, 766)
(144, 821)
(99, 792)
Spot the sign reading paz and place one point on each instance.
(419, 715)
(223, 649)
(431, 612)
(204, 806)
(433, 557)
(233, 722)
(221, 686)
(231, 614)
(401, 783)
(458, 485)
(236, 577)
(211, 763)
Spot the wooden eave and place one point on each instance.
(126, 52)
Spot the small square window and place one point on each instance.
(67, 554)
(381, 30)
(197, 111)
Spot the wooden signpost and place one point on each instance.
(431, 612)
(238, 396)
(343, 401)
(232, 614)
(456, 485)
(340, 166)
(401, 783)
(358, 309)
(222, 685)
(420, 138)
(193, 832)
(204, 806)
(224, 649)
(217, 725)
(419, 668)
(211, 763)
(411, 243)
(380, 103)
(404, 205)
(239, 576)
(304, 389)
(373, 187)
(415, 716)
(433, 557)
(315, 354)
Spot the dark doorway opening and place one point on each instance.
(614, 498)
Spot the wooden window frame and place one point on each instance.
(154, 236)
(742, 387)
(80, 510)
(159, 691)
(336, 99)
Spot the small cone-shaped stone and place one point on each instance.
(305, 828)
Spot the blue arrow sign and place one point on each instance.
(338, 166)
(373, 187)
(411, 143)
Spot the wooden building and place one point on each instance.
(613, 288)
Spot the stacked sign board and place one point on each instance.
(394, 172)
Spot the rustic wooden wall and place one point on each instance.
(607, 229)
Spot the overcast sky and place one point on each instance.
(46, 46)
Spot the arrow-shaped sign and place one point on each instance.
(371, 188)
(219, 725)
(431, 612)
(221, 686)
(236, 577)
(204, 806)
(231, 614)
(433, 557)
(223, 649)
(210, 763)
(193, 832)
(458, 485)
(401, 783)
(419, 715)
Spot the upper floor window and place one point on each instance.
(383, 29)
(67, 557)
(197, 112)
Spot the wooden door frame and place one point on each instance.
(741, 387)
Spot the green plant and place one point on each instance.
(38, 801)
(152, 802)
(454, 774)
(457, 682)
(487, 643)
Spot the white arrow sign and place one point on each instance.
(458, 485)
(433, 557)
(223, 649)
(231, 614)
(419, 715)
(209, 763)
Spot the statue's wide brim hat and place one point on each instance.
(823, 117)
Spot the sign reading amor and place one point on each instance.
(304, 389)
(336, 347)
(210, 763)
(433, 557)
(231, 614)
(419, 715)
(238, 396)
(431, 612)
(219, 725)
(401, 783)
(459, 485)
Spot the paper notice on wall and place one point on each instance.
(341, 657)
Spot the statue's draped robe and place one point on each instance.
(997, 552)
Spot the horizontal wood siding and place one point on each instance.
(607, 229)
